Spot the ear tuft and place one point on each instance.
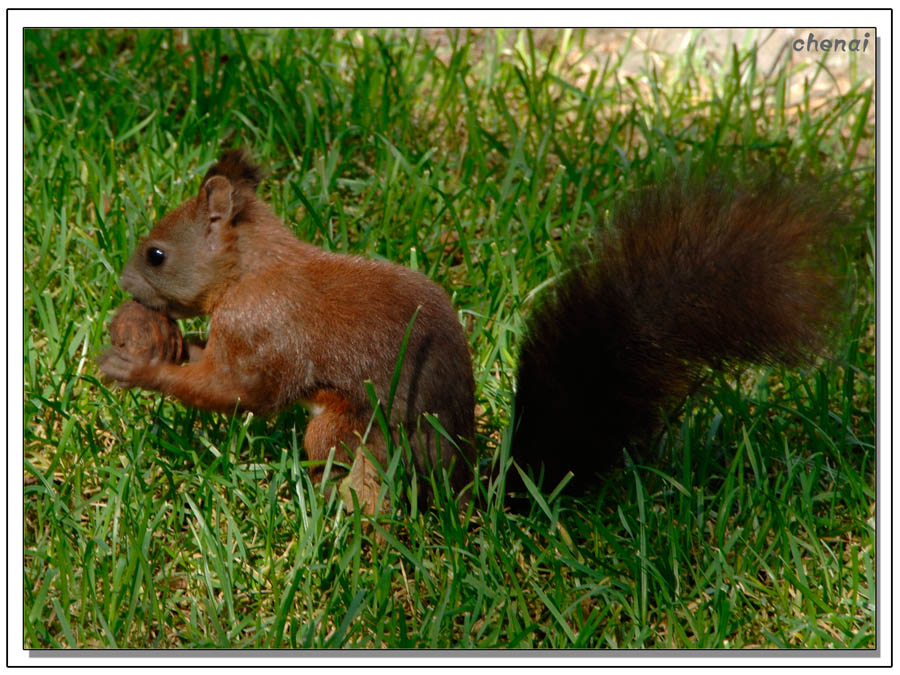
(236, 166)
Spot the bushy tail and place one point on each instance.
(694, 275)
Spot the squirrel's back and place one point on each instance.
(692, 275)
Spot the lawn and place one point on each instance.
(484, 159)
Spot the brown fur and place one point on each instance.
(292, 323)
(694, 275)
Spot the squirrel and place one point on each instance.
(692, 275)
(290, 322)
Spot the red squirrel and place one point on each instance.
(692, 275)
(290, 322)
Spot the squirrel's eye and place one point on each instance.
(155, 256)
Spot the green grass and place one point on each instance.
(485, 160)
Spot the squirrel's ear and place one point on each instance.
(218, 193)
(237, 167)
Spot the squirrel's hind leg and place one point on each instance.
(337, 424)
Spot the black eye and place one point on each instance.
(155, 256)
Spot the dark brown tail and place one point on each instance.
(695, 275)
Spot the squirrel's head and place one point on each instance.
(186, 261)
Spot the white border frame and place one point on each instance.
(581, 14)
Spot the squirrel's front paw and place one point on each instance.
(125, 368)
(143, 339)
